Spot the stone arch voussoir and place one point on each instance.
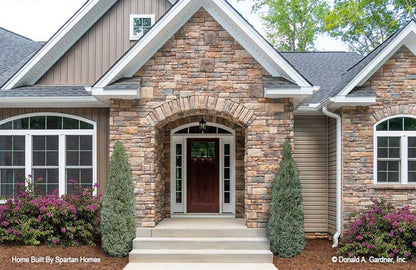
(195, 104)
(393, 110)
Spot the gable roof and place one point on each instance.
(59, 43)
(358, 74)
(323, 69)
(15, 50)
(177, 16)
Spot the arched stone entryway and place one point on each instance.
(182, 111)
(143, 127)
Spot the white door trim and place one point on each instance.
(181, 139)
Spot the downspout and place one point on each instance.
(338, 175)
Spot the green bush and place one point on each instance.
(285, 229)
(118, 223)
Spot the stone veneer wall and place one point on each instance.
(395, 84)
(202, 70)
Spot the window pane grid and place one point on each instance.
(12, 164)
(9, 178)
(209, 130)
(45, 167)
(388, 159)
(398, 124)
(45, 180)
(78, 161)
(45, 122)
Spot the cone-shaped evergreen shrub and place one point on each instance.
(118, 223)
(285, 228)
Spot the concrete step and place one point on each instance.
(203, 232)
(200, 256)
(258, 243)
(200, 266)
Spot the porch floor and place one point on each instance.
(202, 223)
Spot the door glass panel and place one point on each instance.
(178, 174)
(226, 173)
(203, 149)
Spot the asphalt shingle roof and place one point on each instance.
(360, 65)
(277, 82)
(332, 71)
(323, 69)
(125, 84)
(46, 91)
(15, 51)
(362, 91)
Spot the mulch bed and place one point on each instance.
(318, 256)
(106, 262)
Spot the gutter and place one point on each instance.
(338, 175)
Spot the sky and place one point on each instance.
(40, 19)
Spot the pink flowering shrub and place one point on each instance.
(69, 220)
(382, 231)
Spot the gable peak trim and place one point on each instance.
(177, 16)
(395, 44)
(59, 43)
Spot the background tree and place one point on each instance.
(285, 229)
(364, 24)
(118, 222)
(293, 25)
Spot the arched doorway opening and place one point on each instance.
(202, 169)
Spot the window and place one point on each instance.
(12, 164)
(395, 151)
(194, 129)
(52, 148)
(45, 163)
(140, 24)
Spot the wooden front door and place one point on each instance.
(203, 181)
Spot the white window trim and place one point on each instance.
(180, 208)
(403, 150)
(62, 133)
(133, 16)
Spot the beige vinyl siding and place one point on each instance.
(98, 115)
(332, 174)
(102, 45)
(311, 156)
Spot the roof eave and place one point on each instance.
(338, 102)
(50, 102)
(104, 95)
(59, 43)
(289, 92)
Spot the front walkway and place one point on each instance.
(201, 243)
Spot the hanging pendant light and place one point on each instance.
(202, 125)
